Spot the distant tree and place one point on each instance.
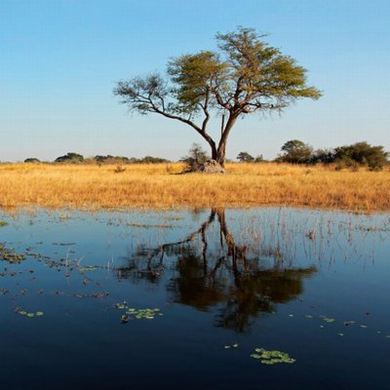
(245, 76)
(196, 157)
(32, 160)
(245, 157)
(259, 158)
(153, 160)
(323, 156)
(70, 158)
(111, 159)
(362, 153)
(296, 152)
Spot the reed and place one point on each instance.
(162, 186)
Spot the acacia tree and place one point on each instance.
(244, 76)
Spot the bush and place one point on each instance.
(296, 152)
(111, 159)
(32, 160)
(152, 160)
(323, 156)
(195, 159)
(72, 158)
(363, 154)
(245, 157)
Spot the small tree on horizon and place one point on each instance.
(245, 157)
(244, 76)
(296, 152)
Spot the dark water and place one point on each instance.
(315, 285)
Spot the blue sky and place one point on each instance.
(60, 59)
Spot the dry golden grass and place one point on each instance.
(160, 186)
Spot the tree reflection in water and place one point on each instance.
(233, 278)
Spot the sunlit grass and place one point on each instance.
(161, 186)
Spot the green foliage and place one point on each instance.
(192, 75)
(272, 357)
(323, 156)
(138, 314)
(244, 75)
(362, 153)
(296, 152)
(125, 160)
(350, 156)
(108, 159)
(72, 158)
(27, 314)
(245, 157)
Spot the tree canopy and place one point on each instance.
(296, 152)
(243, 76)
(245, 157)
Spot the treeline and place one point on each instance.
(293, 152)
(75, 158)
(348, 156)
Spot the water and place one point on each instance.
(312, 284)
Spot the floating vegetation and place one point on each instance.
(329, 320)
(138, 314)
(146, 226)
(98, 294)
(88, 268)
(3, 223)
(27, 314)
(363, 228)
(231, 346)
(10, 255)
(272, 357)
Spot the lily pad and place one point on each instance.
(139, 314)
(272, 357)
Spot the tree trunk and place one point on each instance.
(221, 151)
(220, 154)
(214, 152)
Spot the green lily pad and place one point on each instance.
(272, 357)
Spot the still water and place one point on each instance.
(217, 285)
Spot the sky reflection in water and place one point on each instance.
(312, 284)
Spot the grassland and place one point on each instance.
(161, 186)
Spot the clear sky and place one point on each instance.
(60, 59)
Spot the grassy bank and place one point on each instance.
(160, 185)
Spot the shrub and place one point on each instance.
(363, 154)
(152, 160)
(32, 160)
(72, 158)
(245, 157)
(195, 159)
(323, 156)
(296, 152)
